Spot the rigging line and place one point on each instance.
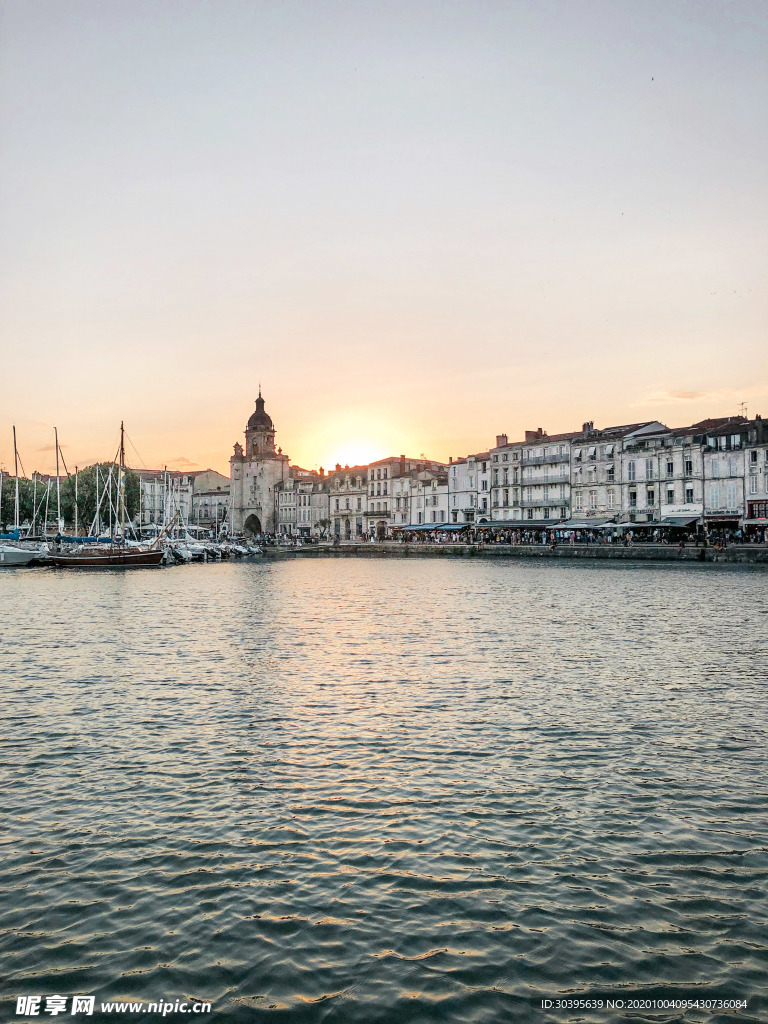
(61, 453)
(130, 442)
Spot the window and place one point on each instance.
(649, 469)
(670, 467)
(689, 467)
(753, 485)
(495, 476)
(753, 457)
(650, 496)
(609, 497)
(485, 467)
(385, 474)
(506, 496)
(503, 458)
(670, 495)
(483, 485)
(593, 499)
(715, 468)
(689, 495)
(714, 496)
(732, 469)
(577, 454)
(577, 500)
(732, 497)
(633, 499)
(359, 504)
(631, 471)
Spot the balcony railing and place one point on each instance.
(551, 458)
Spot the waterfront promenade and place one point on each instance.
(734, 553)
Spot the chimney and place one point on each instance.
(402, 463)
(450, 459)
(588, 428)
(338, 466)
(534, 435)
(501, 440)
(322, 471)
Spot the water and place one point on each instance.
(386, 790)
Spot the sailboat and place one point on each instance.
(116, 555)
(13, 554)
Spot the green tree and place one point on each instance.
(87, 496)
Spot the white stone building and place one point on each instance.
(420, 499)
(347, 496)
(756, 463)
(469, 489)
(379, 514)
(596, 469)
(301, 504)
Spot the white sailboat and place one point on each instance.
(13, 554)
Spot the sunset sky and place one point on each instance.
(418, 224)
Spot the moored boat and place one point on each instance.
(11, 555)
(114, 557)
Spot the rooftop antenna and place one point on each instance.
(743, 410)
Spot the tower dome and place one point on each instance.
(260, 420)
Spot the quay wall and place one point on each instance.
(735, 553)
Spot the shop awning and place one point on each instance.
(418, 526)
(455, 527)
(678, 521)
(582, 524)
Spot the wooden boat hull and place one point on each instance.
(106, 559)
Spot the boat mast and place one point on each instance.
(121, 484)
(34, 503)
(47, 495)
(16, 471)
(75, 500)
(58, 483)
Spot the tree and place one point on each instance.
(87, 496)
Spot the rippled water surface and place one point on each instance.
(356, 790)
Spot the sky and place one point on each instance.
(416, 224)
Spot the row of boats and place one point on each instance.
(174, 544)
(93, 555)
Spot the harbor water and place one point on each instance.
(366, 791)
